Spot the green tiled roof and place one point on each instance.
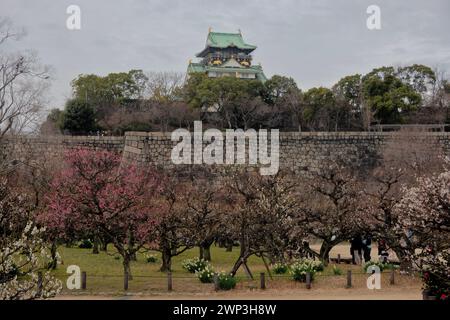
(225, 40)
(196, 67)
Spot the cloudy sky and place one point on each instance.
(314, 41)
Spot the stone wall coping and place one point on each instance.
(62, 139)
(309, 134)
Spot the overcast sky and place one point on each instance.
(314, 41)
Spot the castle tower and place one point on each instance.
(227, 54)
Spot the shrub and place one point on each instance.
(435, 271)
(337, 271)
(206, 275)
(379, 264)
(279, 268)
(85, 244)
(194, 265)
(226, 281)
(300, 268)
(151, 258)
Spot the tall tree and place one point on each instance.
(388, 96)
(320, 108)
(79, 117)
(329, 210)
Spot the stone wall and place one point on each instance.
(20, 148)
(298, 151)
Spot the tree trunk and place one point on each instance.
(54, 261)
(205, 252)
(104, 245)
(242, 256)
(405, 264)
(236, 266)
(166, 260)
(324, 253)
(126, 267)
(95, 246)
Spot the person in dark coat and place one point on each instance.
(383, 251)
(367, 248)
(356, 246)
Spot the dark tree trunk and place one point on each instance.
(324, 253)
(242, 256)
(126, 267)
(104, 245)
(236, 266)
(54, 261)
(205, 251)
(166, 260)
(95, 245)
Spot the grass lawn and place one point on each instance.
(105, 273)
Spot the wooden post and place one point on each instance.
(83, 280)
(308, 280)
(349, 278)
(39, 283)
(125, 281)
(169, 281)
(216, 282)
(339, 258)
(392, 278)
(263, 280)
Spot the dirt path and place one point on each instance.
(318, 294)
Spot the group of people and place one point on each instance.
(361, 248)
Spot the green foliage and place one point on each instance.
(277, 87)
(379, 264)
(421, 78)
(300, 268)
(79, 117)
(320, 108)
(151, 258)
(280, 268)
(193, 265)
(85, 244)
(113, 87)
(56, 116)
(202, 91)
(337, 271)
(226, 281)
(387, 96)
(349, 89)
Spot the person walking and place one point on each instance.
(355, 249)
(367, 248)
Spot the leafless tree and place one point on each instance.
(23, 83)
(329, 210)
(261, 215)
(406, 156)
(164, 86)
